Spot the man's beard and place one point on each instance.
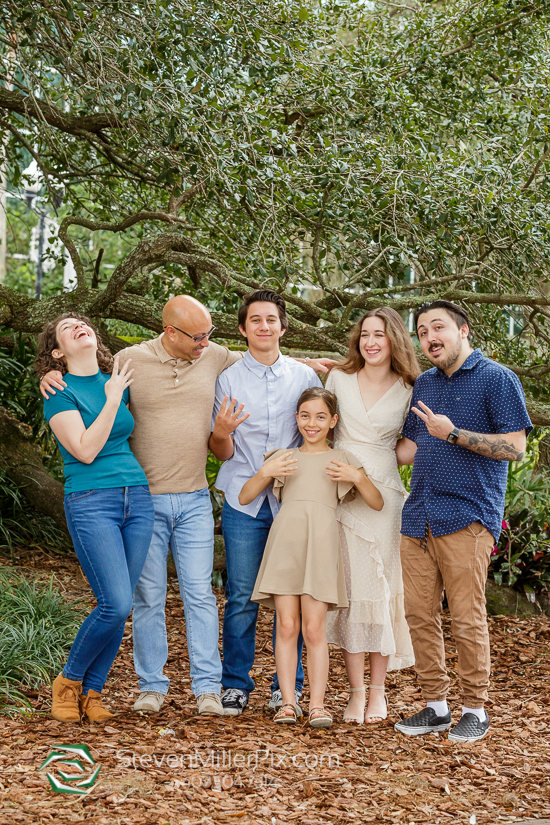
(451, 356)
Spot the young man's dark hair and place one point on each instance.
(458, 314)
(263, 295)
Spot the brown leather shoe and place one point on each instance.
(92, 707)
(65, 699)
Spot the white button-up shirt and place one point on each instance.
(270, 395)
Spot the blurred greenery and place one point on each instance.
(521, 558)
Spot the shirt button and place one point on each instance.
(443, 405)
(177, 382)
(427, 499)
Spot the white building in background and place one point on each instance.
(54, 251)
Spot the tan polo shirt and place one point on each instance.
(172, 402)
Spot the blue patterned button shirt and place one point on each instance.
(452, 487)
(270, 395)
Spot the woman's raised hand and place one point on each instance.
(283, 465)
(118, 381)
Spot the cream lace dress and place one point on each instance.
(375, 619)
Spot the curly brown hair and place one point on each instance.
(403, 358)
(47, 342)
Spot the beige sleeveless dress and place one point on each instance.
(302, 554)
(375, 618)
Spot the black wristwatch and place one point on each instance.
(453, 435)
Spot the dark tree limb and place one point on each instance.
(35, 109)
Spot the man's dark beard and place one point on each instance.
(452, 357)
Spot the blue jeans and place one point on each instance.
(245, 539)
(184, 522)
(111, 532)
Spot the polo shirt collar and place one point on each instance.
(471, 361)
(261, 369)
(163, 355)
(159, 350)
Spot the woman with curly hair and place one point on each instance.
(107, 501)
(373, 386)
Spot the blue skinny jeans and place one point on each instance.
(111, 531)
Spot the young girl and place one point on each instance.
(301, 571)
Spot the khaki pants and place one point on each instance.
(458, 564)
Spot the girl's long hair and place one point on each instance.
(47, 342)
(403, 358)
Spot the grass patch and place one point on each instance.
(37, 628)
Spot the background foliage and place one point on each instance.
(348, 154)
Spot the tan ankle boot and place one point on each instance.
(65, 704)
(92, 707)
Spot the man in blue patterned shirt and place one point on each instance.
(467, 421)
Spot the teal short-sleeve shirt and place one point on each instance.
(115, 465)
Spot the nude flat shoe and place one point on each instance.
(349, 717)
(378, 717)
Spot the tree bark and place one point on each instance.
(23, 463)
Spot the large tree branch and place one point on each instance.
(31, 107)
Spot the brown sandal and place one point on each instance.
(324, 720)
(283, 718)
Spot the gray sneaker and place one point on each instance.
(150, 701)
(469, 729)
(276, 701)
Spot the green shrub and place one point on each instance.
(216, 496)
(522, 556)
(20, 395)
(37, 628)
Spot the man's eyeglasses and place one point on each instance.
(196, 338)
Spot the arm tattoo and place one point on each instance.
(492, 445)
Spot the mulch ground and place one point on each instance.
(177, 767)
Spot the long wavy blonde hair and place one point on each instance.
(403, 358)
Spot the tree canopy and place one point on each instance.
(374, 153)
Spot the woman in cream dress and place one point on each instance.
(373, 386)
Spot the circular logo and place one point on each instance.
(74, 766)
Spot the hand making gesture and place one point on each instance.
(339, 471)
(119, 381)
(229, 417)
(283, 465)
(438, 425)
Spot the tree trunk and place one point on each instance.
(23, 463)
